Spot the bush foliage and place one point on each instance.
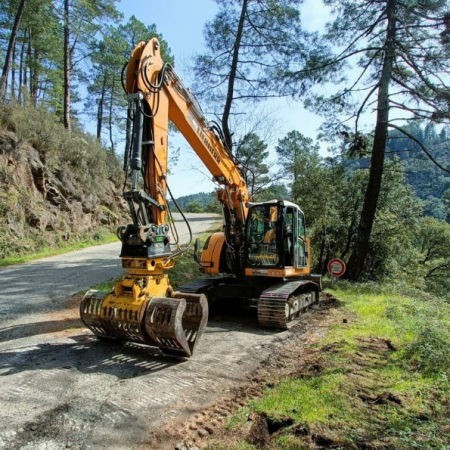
(44, 131)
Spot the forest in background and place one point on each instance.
(67, 56)
(381, 202)
(412, 232)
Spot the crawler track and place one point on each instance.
(283, 302)
(278, 304)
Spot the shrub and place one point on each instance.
(429, 352)
(45, 132)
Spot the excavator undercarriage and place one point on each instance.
(278, 301)
(175, 323)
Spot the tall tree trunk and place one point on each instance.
(322, 250)
(30, 65)
(21, 65)
(11, 45)
(34, 78)
(66, 66)
(25, 75)
(356, 262)
(111, 115)
(27, 63)
(327, 258)
(296, 176)
(100, 110)
(13, 73)
(232, 78)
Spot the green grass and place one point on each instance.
(106, 286)
(186, 269)
(44, 253)
(311, 401)
(384, 383)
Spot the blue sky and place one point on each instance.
(181, 24)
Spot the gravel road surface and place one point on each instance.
(62, 388)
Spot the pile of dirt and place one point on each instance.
(41, 206)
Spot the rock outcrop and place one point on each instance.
(41, 206)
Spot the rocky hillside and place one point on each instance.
(51, 198)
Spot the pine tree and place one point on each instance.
(252, 152)
(106, 102)
(402, 66)
(244, 41)
(11, 47)
(82, 20)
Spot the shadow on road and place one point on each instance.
(239, 319)
(236, 318)
(88, 355)
(36, 328)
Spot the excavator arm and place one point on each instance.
(157, 95)
(143, 307)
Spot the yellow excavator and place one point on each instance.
(262, 253)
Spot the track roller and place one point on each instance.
(282, 303)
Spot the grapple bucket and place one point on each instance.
(174, 324)
(195, 316)
(110, 317)
(177, 323)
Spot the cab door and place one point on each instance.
(301, 246)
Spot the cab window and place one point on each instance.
(262, 236)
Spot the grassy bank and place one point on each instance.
(380, 380)
(63, 247)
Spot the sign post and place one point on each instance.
(336, 268)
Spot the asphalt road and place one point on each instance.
(41, 285)
(60, 387)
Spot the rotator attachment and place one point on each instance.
(173, 324)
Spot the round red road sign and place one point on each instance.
(336, 267)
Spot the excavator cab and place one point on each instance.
(276, 237)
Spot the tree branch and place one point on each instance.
(410, 136)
